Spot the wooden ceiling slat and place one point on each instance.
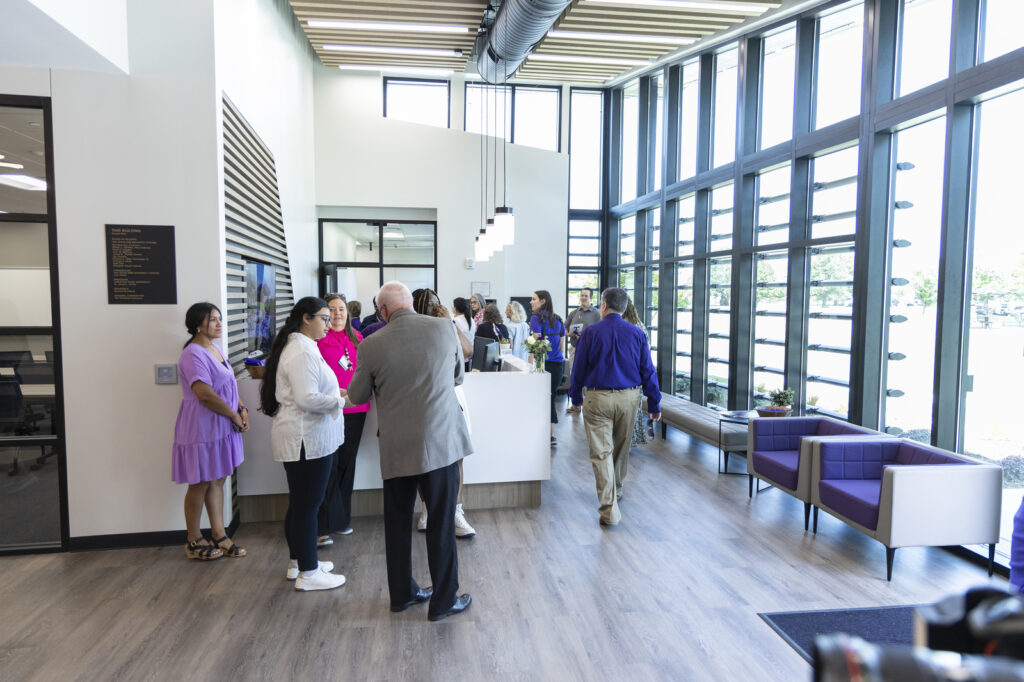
(580, 15)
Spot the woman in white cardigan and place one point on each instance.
(301, 393)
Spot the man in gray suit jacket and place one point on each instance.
(412, 366)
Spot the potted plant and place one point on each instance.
(781, 403)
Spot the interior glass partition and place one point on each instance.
(33, 503)
(358, 256)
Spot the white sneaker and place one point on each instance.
(324, 541)
(462, 527)
(323, 579)
(421, 525)
(293, 568)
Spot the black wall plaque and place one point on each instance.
(140, 264)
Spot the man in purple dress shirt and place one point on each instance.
(613, 362)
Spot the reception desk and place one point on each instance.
(509, 413)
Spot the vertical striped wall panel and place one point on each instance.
(253, 226)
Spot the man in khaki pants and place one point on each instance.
(613, 362)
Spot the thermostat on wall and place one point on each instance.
(166, 374)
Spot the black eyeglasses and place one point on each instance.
(325, 318)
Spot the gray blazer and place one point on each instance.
(412, 365)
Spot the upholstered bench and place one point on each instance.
(701, 423)
(779, 452)
(905, 494)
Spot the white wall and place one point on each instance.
(66, 34)
(100, 24)
(146, 148)
(132, 149)
(364, 160)
(265, 66)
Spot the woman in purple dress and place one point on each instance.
(207, 435)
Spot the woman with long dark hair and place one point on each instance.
(426, 302)
(340, 350)
(545, 324)
(301, 393)
(464, 318)
(207, 433)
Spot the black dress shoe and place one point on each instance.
(460, 605)
(422, 595)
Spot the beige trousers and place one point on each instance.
(609, 417)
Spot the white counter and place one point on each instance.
(509, 412)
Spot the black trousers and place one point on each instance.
(555, 369)
(307, 481)
(440, 488)
(336, 511)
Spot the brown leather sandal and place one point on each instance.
(205, 552)
(234, 551)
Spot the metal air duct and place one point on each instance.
(519, 26)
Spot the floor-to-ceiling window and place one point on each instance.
(586, 126)
(854, 215)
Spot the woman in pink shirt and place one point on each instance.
(340, 348)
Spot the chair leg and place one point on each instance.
(815, 519)
(750, 485)
(807, 514)
(991, 559)
(664, 429)
(890, 554)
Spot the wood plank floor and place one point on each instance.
(672, 593)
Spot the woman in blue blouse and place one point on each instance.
(546, 325)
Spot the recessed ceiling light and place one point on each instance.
(23, 182)
(558, 77)
(584, 59)
(378, 49)
(394, 235)
(396, 68)
(375, 26)
(5, 164)
(706, 5)
(621, 37)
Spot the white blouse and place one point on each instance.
(468, 329)
(310, 403)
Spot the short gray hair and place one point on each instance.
(395, 296)
(615, 299)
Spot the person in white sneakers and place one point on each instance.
(412, 366)
(426, 302)
(301, 393)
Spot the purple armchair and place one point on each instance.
(779, 451)
(905, 494)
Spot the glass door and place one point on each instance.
(33, 506)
